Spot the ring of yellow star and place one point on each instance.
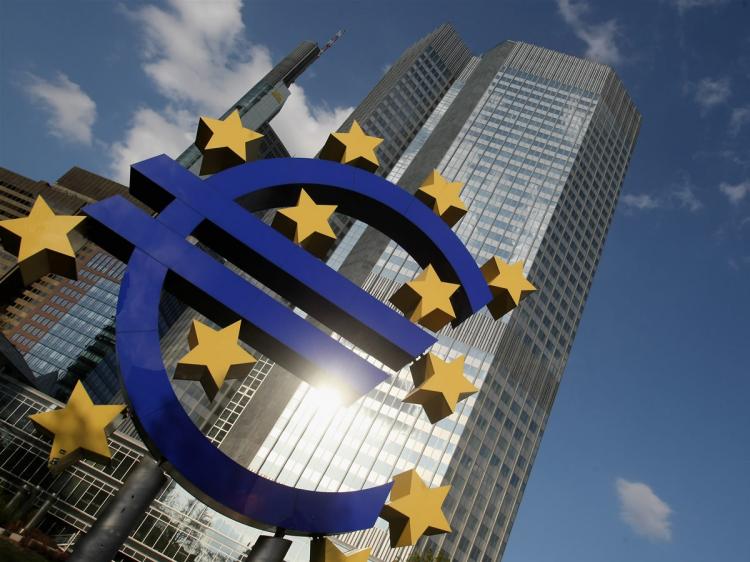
(78, 429)
(225, 143)
(426, 300)
(307, 224)
(508, 285)
(214, 357)
(323, 550)
(42, 242)
(440, 386)
(354, 148)
(414, 510)
(443, 197)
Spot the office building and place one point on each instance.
(396, 109)
(541, 142)
(64, 328)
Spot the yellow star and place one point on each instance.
(442, 197)
(323, 550)
(307, 224)
(79, 429)
(354, 148)
(414, 510)
(507, 284)
(214, 356)
(426, 300)
(41, 242)
(225, 143)
(440, 386)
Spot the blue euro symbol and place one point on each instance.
(218, 212)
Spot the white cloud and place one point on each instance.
(196, 53)
(643, 201)
(150, 134)
(710, 92)
(304, 127)
(643, 510)
(739, 262)
(71, 111)
(685, 5)
(735, 192)
(600, 38)
(686, 197)
(197, 56)
(739, 118)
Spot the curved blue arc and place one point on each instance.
(216, 479)
(374, 200)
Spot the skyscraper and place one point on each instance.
(541, 142)
(396, 110)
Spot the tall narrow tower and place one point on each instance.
(396, 110)
(541, 141)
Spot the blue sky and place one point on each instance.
(647, 454)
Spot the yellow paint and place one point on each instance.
(42, 242)
(214, 356)
(79, 429)
(414, 510)
(225, 143)
(427, 300)
(507, 284)
(323, 550)
(354, 148)
(439, 386)
(442, 197)
(307, 224)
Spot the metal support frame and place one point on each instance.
(269, 549)
(121, 513)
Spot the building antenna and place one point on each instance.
(332, 40)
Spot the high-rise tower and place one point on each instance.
(396, 109)
(541, 142)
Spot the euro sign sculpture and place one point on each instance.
(218, 211)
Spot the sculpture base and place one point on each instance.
(269, 549)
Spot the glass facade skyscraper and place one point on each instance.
(541, 141)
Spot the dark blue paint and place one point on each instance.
(160, 254)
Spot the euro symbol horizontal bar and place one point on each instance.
(289, 270)
(223, 296)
